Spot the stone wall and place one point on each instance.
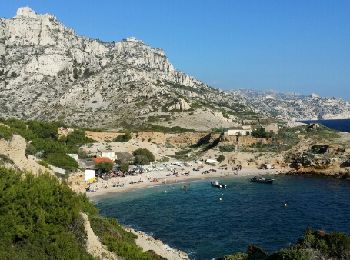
(102, 136)
(245, 140)
(176, 139)
(154, 137)
(191, 138)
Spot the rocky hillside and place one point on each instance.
(49, 72)
(296, 106)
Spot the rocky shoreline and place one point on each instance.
(344, 176)
(147, 242)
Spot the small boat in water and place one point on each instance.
(260, 179)
(216, 184)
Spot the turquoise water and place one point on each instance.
(199, 223)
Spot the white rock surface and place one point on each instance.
(47, 71)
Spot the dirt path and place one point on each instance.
(93, 244)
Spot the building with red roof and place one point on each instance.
(102, 160)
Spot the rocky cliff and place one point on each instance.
(49, 72)
(296, 106)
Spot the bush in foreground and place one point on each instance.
(314, 245)
(40, 219)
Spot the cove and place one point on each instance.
(198, 222)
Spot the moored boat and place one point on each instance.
(216, 184)
(260, 179)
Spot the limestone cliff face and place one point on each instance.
(2, 54)
(49, 72)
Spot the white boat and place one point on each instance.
(219, 185)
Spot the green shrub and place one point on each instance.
(227, 148)
(77, 138)
(61, 160)
(5, 132)
(291, 254)
(124, 167)
(39, 218)
(43, 129)
(221, 158)
(104, 166)
(261, 133)
(338, 245)
(237, 256)
(143, 156)
(141, 160)
(314, 245)
(117, 239)
(43, 163)
(43, 140)
(163, 129)
(123, 138)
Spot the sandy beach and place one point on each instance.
(103, 188)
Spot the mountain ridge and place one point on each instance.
(48, 72)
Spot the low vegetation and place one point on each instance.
(44, 141)
(40, 219)
(118, 240)
(104, 167)
(163, 129)
(314, 245)
(227, 148)
(221, 158)
(143, 156)
(123, 138)
(261, 133)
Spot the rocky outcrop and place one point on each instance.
(181, 105)
(14, 150)
(148, 243)
(94, 245)
(2, 54)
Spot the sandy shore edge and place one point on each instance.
(147, 242)
(104, 192)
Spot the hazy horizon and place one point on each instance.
(294, 46)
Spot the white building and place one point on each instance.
(89, 175)
(245, 130)
(108, 154)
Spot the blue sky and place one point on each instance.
(298, 46)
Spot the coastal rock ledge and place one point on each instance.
(147, 242)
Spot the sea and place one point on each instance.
(207, 222)
(342, 125)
